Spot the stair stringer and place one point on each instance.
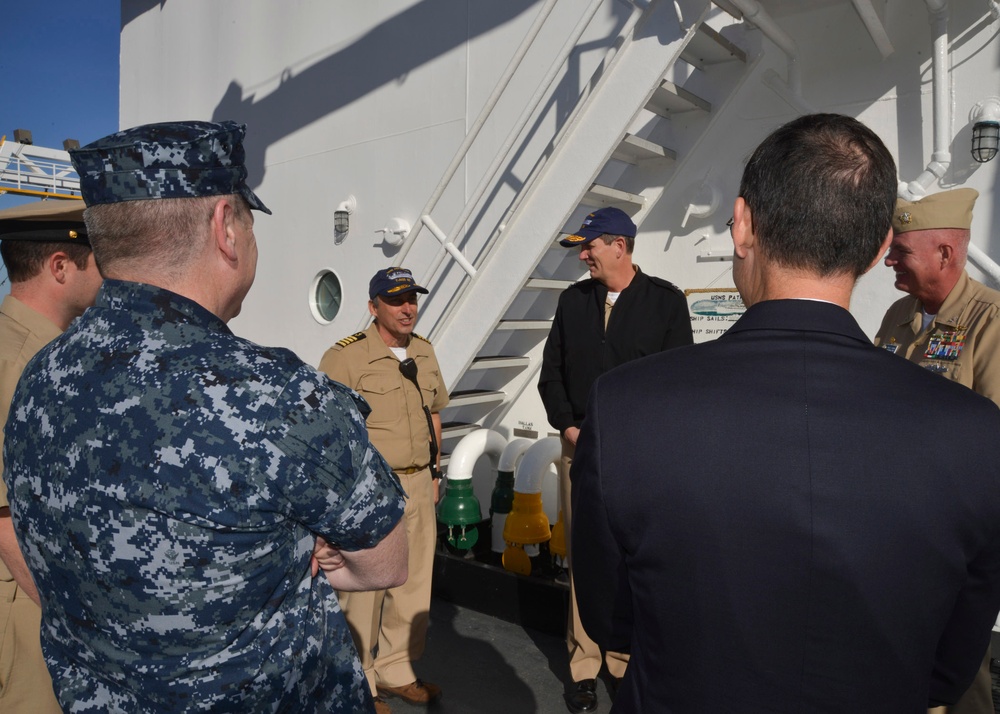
(658, 40)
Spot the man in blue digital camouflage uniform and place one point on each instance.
(168, 480)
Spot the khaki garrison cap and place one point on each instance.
(948, 209)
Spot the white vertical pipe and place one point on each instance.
(941, 156)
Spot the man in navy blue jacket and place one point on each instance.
(744, 526)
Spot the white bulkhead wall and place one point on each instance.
(369, 99)
(373, 99)
(843, 72)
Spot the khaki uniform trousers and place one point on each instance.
(584, 654)
(25, 684)
(390, 626)
(978, 698)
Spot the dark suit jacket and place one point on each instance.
(788, 519)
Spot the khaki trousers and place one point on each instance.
(584, 654)
(390, 626)
(25, 684)
(978, 698)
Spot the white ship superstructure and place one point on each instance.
(461, 138)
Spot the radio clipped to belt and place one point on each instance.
(408, 368)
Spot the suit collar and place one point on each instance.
(801, 316)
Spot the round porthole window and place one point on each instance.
(325, 296)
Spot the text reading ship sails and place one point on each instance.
(461, 139)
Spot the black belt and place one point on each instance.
(410, 471)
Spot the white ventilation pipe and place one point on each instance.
(531, 471)
(470, 448)
(505, 470)
(513, 451)
(941, 78)
(459, 508)
(535, 464)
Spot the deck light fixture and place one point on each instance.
(342, 219)
(985, 129)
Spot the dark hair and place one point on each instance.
(821, 191)
(629, 241)
(26, 259)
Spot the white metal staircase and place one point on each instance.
(619, 146)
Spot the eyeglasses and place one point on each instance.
(729, 225)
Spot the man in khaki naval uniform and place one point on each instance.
(53, 279)
(390, 626)
(948, 323)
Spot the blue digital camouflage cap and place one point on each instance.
(183, 159)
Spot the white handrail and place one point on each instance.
(490, 176)
(754, 13)
(452, 249)
(477, 126)
(541, 92)
(984, 263)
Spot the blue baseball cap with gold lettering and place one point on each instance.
(393, 281)
(608, 220)
(182, 159)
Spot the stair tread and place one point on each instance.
(708, 47)
(499, 358)
(450, 429)
(633, 149)
(671, 99)
(525, 324)
(548, 284)
(468, 397)
(598, 195)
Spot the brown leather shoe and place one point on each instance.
(418, 692)
(382, 706)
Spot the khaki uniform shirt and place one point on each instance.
(961, 342)
(26, 683)
(22, 333)
(397, 424)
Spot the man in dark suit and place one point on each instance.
(744, 524)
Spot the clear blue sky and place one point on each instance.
(59, 70)
(58, 74)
